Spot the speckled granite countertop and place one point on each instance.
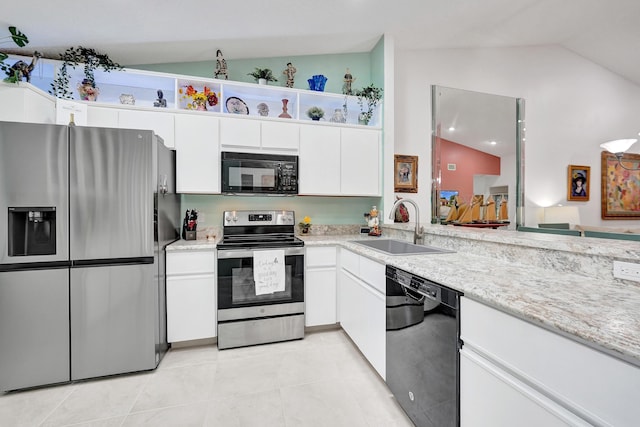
(592, 311)
(578, 303)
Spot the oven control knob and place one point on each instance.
(230, 218)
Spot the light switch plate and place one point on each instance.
(626, 270)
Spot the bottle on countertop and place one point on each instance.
(72, 119)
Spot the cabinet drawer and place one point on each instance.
(350, 261)
(593, 384)
(373, 273)
(321, 257)
(191, 262)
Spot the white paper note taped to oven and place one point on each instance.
(268, 271)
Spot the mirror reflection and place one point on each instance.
(477, 158)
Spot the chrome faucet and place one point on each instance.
(417, 234)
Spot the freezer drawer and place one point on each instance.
(34, 328)
(113, 317)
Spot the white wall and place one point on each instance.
(572, 105)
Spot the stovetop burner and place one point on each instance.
(258, 229)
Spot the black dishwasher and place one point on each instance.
(423, 344)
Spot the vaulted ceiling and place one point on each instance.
(162, 31)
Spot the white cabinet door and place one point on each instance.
(591, 384)
(281, 136)
(360, 162)
(191, 307)
(25, 104)
(102, 117)
(320, 297)
(191, 295)
(159, 122)
(363, 317)
(362, 306)
(197, 154)
(320, 286)
(319, 160)
(239, 133)
(489, 397)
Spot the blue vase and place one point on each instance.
(317, 82)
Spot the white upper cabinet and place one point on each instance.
(360, 162)
(197, 154)
(280, 136)
(319, 160)
(239, 133)
(339, 161)
(159, 122)
(25, 103)
(104, 117)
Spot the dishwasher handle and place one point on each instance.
(410, 294)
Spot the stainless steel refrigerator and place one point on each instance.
(85, 216)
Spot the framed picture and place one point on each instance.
(578, 183)
(405, 178)
(620, 195)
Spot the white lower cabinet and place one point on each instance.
(191, 298)
(320, 293)
(362, 306)
(513, 372)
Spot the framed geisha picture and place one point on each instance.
(620, 186)
(406, 174)
(579, 182)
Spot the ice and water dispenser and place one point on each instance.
(32, 231)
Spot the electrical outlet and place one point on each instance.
(201, 218)
(626, 270)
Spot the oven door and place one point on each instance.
(236, 285)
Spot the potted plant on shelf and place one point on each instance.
(372, 95)
(262, 75)
(315, 113)
(92, 60)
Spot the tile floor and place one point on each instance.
(320, 381)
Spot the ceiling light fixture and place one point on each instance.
(618, 148)
(451, 129)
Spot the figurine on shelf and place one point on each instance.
(289, 72)
(348, 80)
(221, 66)
(160, 102)
(263, 109)
(374, 222)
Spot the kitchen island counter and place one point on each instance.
(598, 312)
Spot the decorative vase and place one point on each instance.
(305, 230)
(262, 81)
(315, 118)
(317, 82)
(363, 119)
(284, 113)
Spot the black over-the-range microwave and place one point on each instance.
(250, 173)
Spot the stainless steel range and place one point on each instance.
(260, 279)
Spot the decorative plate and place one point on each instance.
(236, 106)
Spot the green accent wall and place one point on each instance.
(331, 66)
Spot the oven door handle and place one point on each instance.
(248, 253)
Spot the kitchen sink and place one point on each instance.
(398, 247)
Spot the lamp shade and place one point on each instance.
(618, 146)
(562, 214)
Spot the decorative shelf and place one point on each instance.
(144, 87)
